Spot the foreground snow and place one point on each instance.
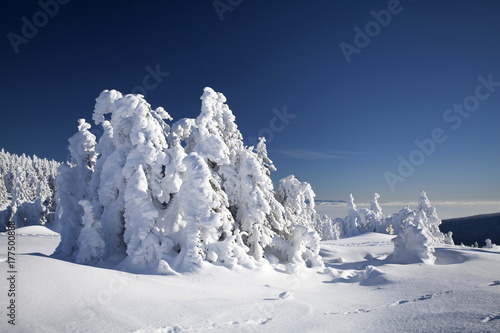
(359, 291)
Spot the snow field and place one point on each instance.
(359, 292)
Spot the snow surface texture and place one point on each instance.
(359, 291)
(152, 197)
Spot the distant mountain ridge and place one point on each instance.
(330, 201)
(477, 228)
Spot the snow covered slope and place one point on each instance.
(359, 291)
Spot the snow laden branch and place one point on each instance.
(175, 197)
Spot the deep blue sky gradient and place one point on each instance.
(352, 120)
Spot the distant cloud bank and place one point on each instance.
(445, 209)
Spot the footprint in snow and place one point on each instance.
(404, 301)
(491, 317)
(286, 295)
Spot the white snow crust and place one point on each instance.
(359, 291)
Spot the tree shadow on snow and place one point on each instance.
(36, 254)
(447, 256)
(339, 263)
(367, 273)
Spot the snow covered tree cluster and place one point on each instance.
(373, 220)
(27, 189)
(416, 231)
(176, 196)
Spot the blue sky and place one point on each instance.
(347, 123)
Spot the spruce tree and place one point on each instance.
(72, 186)
(431, 217)
(353, 223)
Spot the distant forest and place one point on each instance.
(478, 228)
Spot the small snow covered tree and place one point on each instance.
(262, 216)
(353, 223)
(298, 200)
(277, 218)
(413, 243)
(17, 198)
(433, 220)
(4, 196)
(32, 213)
(335, 229)
(72, 185)
(328, 229)
(397, 221)
(19, 192)
(489, 244)
(448, 238)
(42, 202)
(374, 217)
(261, 151)
(9, 165)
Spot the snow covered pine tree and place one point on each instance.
(418, 233)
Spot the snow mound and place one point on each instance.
(449, 256)
(370, 276)
(36, 231)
